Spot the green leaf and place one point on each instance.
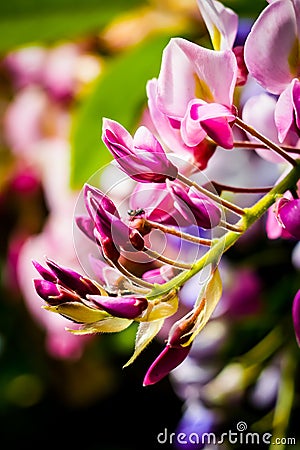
(23, 22)
(119, 94)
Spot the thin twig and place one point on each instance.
(164, 259)
(133, 278)
(180, 234)
(258, 145)
(244, 126)
(236, 209)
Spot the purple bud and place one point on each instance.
(100, 198)
(296, 316)
(194, 206)
(174, 352)
(288, 212)
(45, 273)
(168, 359)
(141, 157)
(110, 251)
(53, 293)
(73, 280)
(86, 225)
(126, 307)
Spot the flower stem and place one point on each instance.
(164, 259)
(180, 234)
(229, 226)
(236, 209)
(222, 244)
(244, 126)
(133, 278)
(254, 145)
(240, 190)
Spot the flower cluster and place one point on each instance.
(193, 114)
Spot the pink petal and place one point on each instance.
(271, 46)
(199, 116)
(258, 112)
(190, 71)
(217, 17)
(284, 112)
(122, 136)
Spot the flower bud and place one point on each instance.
(54, 294)
(126, 307)
(296, 316)
(195, 206)
(288, 214)
(73, 280)
(141, 157)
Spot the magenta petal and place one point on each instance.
(86, 225)
(53, 293)
(73, 280)
(219, 131)
(289, 215)
(296, 316)
(114, 133)
(296, 100)
(45, 273)
(99, 198)
(166, 361)
(125, 307)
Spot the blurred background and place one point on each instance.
(64, 65)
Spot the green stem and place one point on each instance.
(222, 244)
(153, 254)
(284, 400)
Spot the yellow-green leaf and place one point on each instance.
(78, 312)
(146, 332)
(107, 325)
(211, 296)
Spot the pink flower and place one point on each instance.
(141, 156)
(221, 22)
(288, 213)
(195, 91)
(271, 55)
(198, 155)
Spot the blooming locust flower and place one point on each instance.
(169, 132)
(221, 22)
(195, 91)
(222, 25)
(272, 58)
(141, 156)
